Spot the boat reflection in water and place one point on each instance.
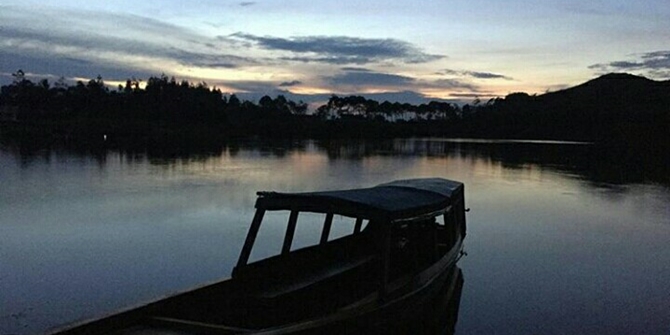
(437, 315)
(394, 273)
(446, 309)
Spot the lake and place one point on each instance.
(562, 238)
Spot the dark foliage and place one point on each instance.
(612, 109)
(601, 109)
(170, 112)
(620, 112)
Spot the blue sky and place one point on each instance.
(401, 50)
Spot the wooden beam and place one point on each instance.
(195, 326)
(326, 228)
(385, 259)
(436, 249)
(251, 237)
(290, 232)
(358, 226)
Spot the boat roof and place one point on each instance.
(401, 199)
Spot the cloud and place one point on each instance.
(369, 78)
(452, 84)
(396, 88)
(290, 83)
(212, 60)
(475, 74)
(472, 95)
(55, 67)
(252, 87)
(355, 69)
(247, 3)
(487, 75)
(104, 40)
(340, 49)
(355, 79)
(556, 87)
(83, 44)
(339, 60)
(654, 64)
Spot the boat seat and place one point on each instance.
(312, 277)
(300, 269)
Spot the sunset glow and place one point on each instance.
(306, 50)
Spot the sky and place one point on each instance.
(408, 51)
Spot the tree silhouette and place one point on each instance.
(626, 108)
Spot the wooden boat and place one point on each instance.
(405, 241)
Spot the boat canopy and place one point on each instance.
(398, 200)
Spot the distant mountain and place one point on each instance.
(613, 107)
(615, 91)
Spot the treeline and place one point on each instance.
(358, 106)
(90, 110)
(162, 108)
(166, 108)
(617, 108)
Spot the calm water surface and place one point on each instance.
(559, 242)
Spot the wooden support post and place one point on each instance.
(436, 248)
(358, 226)
(385, 259)
(251, 237)
(326, 228)
(290, 232)
(449, 228)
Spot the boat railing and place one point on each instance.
(315, 261)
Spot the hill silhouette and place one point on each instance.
(615, 107)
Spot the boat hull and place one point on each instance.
(403, 309)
